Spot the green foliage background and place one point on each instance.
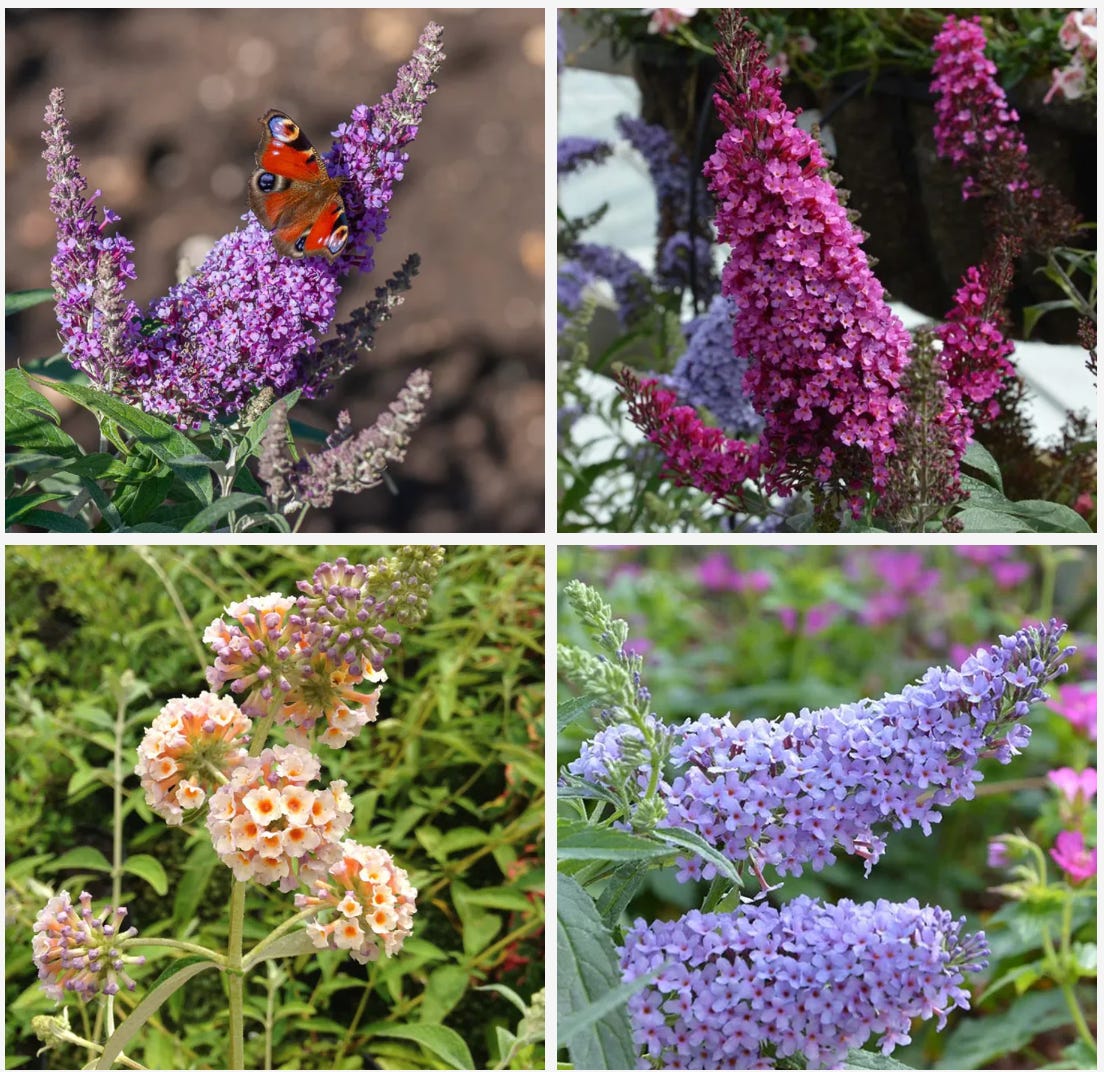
(449, 780)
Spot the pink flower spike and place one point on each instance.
(1072, 783)
(1070, 854)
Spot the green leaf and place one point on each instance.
(252, 438)
(439, 1040)
(51, 521)
(209, 517)
(150, 869)
(576, 707)
(1085, 957)
(593, 1019)
(30, 421)
(622, 886)
(515, 999)
(869, 1059)
(592, 844)
(295, 944)
(166, 443)
(446, 986)
(978, 459)
(15, 301)
(170, 981)
(697, 845)
(977, 1043)
(84, 858)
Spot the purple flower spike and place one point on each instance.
(792, 792)
(249, 318)
(747, 988)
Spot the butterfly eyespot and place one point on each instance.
(301, 243)
(283, 129)
(266, 182)
(336, 242)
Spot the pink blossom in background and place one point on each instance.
(1077, 705)
(779, 62)
(1069, 81)
(982, 555)
(665, 19)
(1072, 784)
(974, 122)
(638, 646)
(1010, 574)
(998, 856)
(717, 574)
(816, 619)
(1071, 855)
(960, 653)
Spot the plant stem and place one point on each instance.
(117, 806)
(235, 978)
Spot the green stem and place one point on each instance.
(1048, 578)
(117, 810)
(181, 947)
(235, 977)
(1067, 987)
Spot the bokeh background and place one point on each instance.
(760, 632)
(164, 106)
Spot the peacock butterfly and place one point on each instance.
(292, 194)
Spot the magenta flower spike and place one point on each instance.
(825, 353)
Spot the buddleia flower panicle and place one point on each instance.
(683, 207)
(249, 318)
(351, 461)
(575, 152)
(825, 353)
(305, 659)
(189, 750)
(748, 988)
(79, 952)
(792, 793)
(977, 130)
(365, 904)
(710, 375)
(267, 826)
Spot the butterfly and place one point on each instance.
(292, 194)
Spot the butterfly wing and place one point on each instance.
(292, 194)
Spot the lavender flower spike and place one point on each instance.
(791, 792)
(748, 988)
(352, 461)
(84, 254)
(249, 318)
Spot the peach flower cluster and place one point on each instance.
(271, 650)
(365, 903)
(268, 826)
(189, 750)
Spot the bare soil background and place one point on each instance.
(163, 106)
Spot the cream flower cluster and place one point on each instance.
(190, 748)
(366, 903)
(267, 825)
